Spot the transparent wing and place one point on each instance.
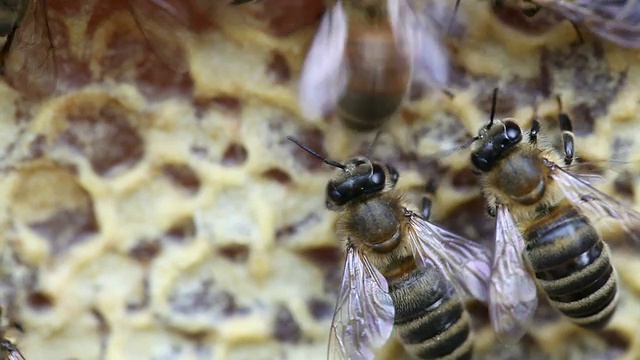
(595, 203)
(419, 38)
(513, 291)
(364, 313)
(11, 351)
(30, 64)
(16, 355)
(160, 22)
(614, 20)
(463, 261)
(324, 74)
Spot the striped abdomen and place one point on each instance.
(378, 79)
(571, 264)
(430, 321)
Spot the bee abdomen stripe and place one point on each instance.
(592, 304)
(431, 324)
(554, 244)
(586, 281)
(455, 343)
(600, 319)
(587, 275)
(417, 294)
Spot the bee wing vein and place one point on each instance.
(463, 261)
(513, 291)
(594, 202)
(364, 313)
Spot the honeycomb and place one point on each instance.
(152, 208)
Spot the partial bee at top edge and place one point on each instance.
(363, 59)
(546, 235)
(615, 20)
(402, 273)
(8, 350)
(27, 58)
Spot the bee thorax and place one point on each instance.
(522, 178)
(378, 219)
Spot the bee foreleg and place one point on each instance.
(492, 210)
(577, 30)
(4, 52)
(531, 10)
(427, 202)
(533, 132)
(567, 134)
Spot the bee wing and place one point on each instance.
(513, 291)
(614, 20)
(418, 37)
(160, 20)
(459, 259)
(324, 74)
(594, 202)
(15, 355)
(30, 65)
(11, 351)
(364, 313)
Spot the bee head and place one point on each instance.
(359, 178)
(493, 142)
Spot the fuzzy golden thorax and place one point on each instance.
(515, 173)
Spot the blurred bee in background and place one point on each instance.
(8, 351)
(27, 58)
(363, 59)
(545, 232)
(614, 20)
(401, 271)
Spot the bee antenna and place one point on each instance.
(469, 142)
(374, 143)
(305, 148)
(559, 101)
(494, 101)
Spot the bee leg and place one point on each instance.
(567, 134)
(4, 52)
(533, 132)
(492, 211)
(578, 32)
(531, 10)
(430, 190)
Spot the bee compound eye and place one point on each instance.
(335, 195)
(512, 131)
(377, 177)
(480, 162)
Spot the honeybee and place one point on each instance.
(614, 20)
(8, 351)
(27, 59)
(545, 233)
(401, 272)
(363, 58)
